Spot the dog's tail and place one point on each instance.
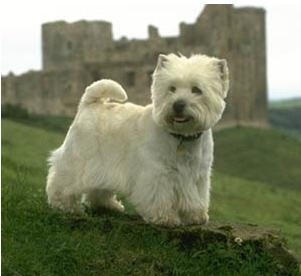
(102, 91)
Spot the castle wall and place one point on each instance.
(135, 77)
(24, 91)
(67, 45)
(52, 92)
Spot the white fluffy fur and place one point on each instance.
(128, 149)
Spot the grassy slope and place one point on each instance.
(286, 115)
(37, 240)
(258, 179)
(262, 155)
(285, 104)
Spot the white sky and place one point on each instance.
(21, 30)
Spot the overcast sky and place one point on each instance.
(21, 31)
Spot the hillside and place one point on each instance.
(285, 115)
(39, 241)
(262, 155)
(286, 103)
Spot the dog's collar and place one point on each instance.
(187, 138)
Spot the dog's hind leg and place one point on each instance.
(67, 202)
(61, 194)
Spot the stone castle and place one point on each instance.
(76, 54)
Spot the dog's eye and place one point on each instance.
(172, 89)
(196, 90)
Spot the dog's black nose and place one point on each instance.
(179, 106)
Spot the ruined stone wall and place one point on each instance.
(76, 54)
(51, 92)
(135, 77)
(67, 45)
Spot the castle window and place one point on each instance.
(130, 78)
(69, 45)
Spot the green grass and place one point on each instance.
(243, 201)
(262, 155)
(258, 180)
(39, 241)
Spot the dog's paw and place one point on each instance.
(115, 205)
(171, 220)
(195, 217)
(109, 204)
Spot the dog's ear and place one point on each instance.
(162, 59)
(224, 75)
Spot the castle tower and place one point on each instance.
(66, 45)
(248, 56)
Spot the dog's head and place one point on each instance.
(188, 93)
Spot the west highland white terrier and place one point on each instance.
(158, 156)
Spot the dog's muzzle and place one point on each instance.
(179, 106)
(178, 113)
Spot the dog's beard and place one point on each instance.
(186, 123)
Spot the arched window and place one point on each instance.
(130, 78)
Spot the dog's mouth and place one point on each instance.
(181, 119)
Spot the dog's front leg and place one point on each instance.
(194, 203)
(154, 198)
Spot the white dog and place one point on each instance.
(158, 156)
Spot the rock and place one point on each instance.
(230, 246)
(237, 236)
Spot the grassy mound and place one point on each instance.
(39, 241)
